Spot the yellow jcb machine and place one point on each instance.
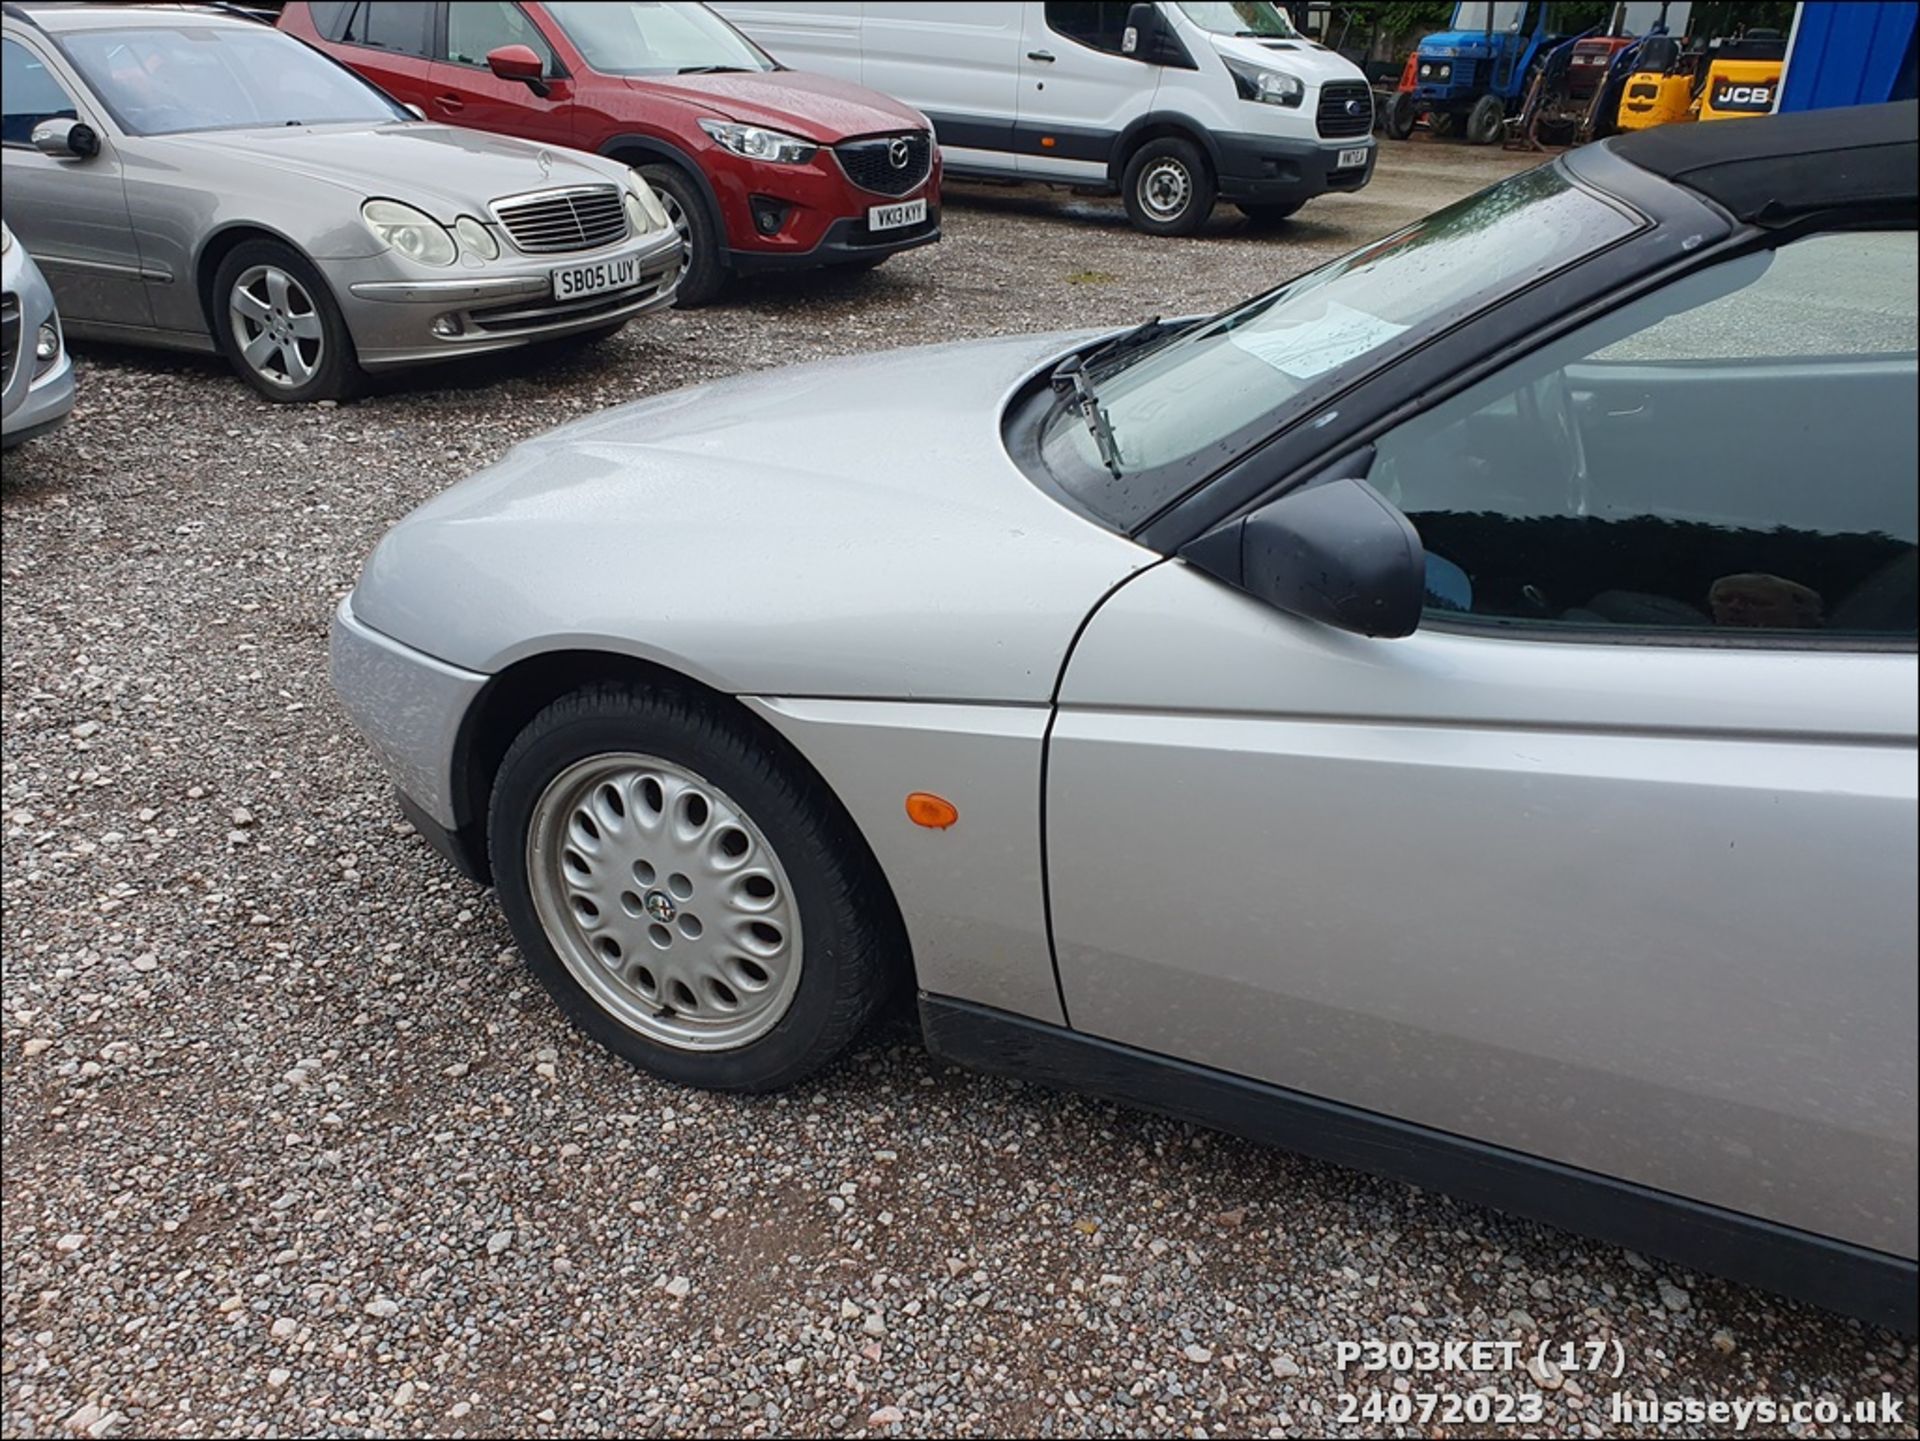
(1726, 80)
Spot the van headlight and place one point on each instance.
(1270, 87)
(757, 143)
(414, 233)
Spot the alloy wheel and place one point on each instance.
(665, 901)
(682, 227)
(276, 326)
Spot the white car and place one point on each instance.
(1172, 105)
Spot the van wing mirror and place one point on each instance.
(1335, 551)
(1149, 39)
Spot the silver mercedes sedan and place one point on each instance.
(200, 181)
(1454, 714)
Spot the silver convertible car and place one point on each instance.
(1453, 714)
(191, 179)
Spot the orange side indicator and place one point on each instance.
(934, 812)
(1046, 142)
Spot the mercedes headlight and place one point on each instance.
(414, 233)
(640, 195)
(476, 239)
(1270, 87)
(756, 143)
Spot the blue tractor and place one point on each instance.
(1473, 75)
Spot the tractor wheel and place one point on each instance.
(1401, 115)
(1440, 124)
(1486, 121)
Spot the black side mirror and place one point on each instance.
(1149, 39)
(66, 139)
(1336, 551)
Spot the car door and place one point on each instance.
(70, 213)
(392, 43)
(465, 92)
(959, 65)
(1077, 90)
(1611, 862)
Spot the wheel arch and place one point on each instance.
(1160, 125)
(514, 696)
(637, 150)
(222, 243)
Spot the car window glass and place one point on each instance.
(657, 39)
(1099, 25)
(401, 25)
(1732, 456)
(167, 80)
(29, 94)
(1189, 406)
(330, 17)
(475, 27)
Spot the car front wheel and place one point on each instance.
(279, 326)
(702, 265)
(694, 899)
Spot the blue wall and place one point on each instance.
(1857, 52)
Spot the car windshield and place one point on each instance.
(1182, 409)
(162, 80)
(1240, 17)
(663, 39)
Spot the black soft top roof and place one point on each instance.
(1782, 165)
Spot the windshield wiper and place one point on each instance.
(711, 70)
(1128, 343)
(1072, 384)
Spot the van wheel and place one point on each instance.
(1168, 188)
(1269, 214)
(1486, 120)
(702, 266)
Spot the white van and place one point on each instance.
(1173, 104)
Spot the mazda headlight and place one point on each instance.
(756, 143)
(1270, 87)
(414, 233)
(476, 239)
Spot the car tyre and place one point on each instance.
(279, 326)
(1168, 188)
(703, 263)
(587, 339)
(1487, 121)
(1270, 214)
(768, 846)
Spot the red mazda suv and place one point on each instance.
(761, 167)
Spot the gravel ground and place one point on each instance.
(293, 1146)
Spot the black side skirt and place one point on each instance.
(1868, 1284)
